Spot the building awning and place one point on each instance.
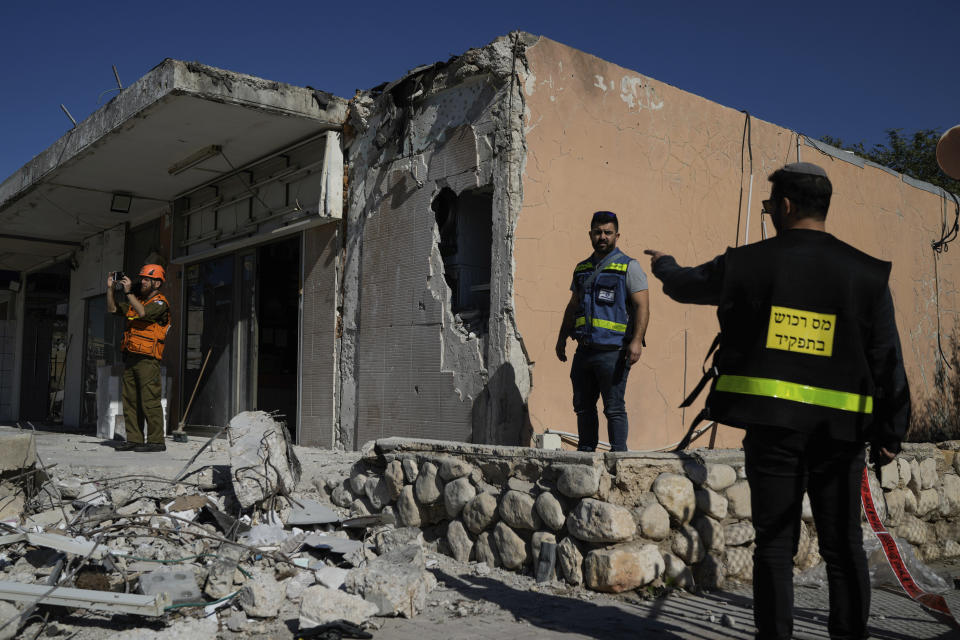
(177, 127)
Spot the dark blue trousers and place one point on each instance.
(600, 374)
(781, 464)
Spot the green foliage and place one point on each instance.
(938, 417)
(914, 155)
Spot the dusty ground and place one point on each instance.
(471, 601)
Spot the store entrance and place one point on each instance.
(45, 344)
(278, 330)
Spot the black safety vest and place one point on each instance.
(795, 315)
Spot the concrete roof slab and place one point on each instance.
(130, 144)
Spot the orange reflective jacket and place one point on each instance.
(145, 337)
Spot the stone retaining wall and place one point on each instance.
(622, 520)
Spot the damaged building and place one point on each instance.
(397, 264)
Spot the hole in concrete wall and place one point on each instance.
(465, 223)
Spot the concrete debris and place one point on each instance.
(262, 461)
(397, 582)
(320, 605)
(306, 511)
(262, 595)
(178, 583)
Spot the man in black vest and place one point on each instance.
(809, 363)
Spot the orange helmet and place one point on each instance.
(153, 271)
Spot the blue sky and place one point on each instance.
(849, 69)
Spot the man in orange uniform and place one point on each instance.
(147, 315)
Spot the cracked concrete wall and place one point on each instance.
(407, 366)
(599, 136)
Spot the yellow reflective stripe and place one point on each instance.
(818, 396)
(583, 267)
(603, 324)
(616, 266)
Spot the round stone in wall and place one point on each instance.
(578, 481)
(407, 508)
(485, 551)
(480, 513)
(570, 561)
(623, 567)
(428, 485)
(511, 549)
(655, 522)
(739, 561)
(738, 499)
(738, 533)
(459, 541)
(675, 493)
(456, 494)
(711, 503)
(453, 468)
(517, 510)
(687, 545)
(595, 521)
(550, 511)
(720, 476)
(393, 475)
(410, 469)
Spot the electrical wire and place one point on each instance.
(746, 144)
(947, 235)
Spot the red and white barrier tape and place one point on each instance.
(931, 601)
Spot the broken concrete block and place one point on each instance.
(392, 539)
(220, 572)
(299, 583)
(332, 543)
(17, 451)
(180, 583)
(331, 577)
(262, 595)
(8, 611)
(142, 506)
(397, 582)
(69, 487)
(12, 502)
(320, 605)
(310, 512)
(341, 495)
(236, 621)
(262, 461)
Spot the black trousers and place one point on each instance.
(781, 464)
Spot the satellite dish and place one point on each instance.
(948, 152)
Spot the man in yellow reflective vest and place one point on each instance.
(809, 364)
(147, 316)
(607, 315)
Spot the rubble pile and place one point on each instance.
(617, 522)
(254, 548)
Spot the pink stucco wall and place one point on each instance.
(599, 136)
